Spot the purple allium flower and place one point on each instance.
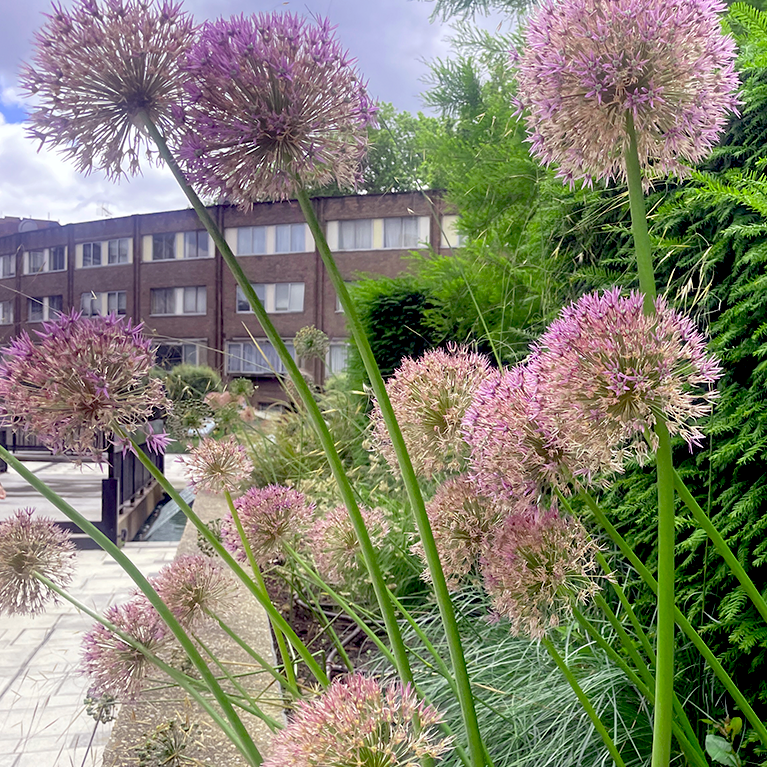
(271, 517)
(84, 376)
(430, 397)
(115, 667)
(611, 371)
(588, 64)
(216, 465)
(30, 547)
(536, 566)
(333, 543)
(460, 519)
(311, 343)
(516, 441)
(356, 722)
(96, 67)
(275, 104)
(191, 586)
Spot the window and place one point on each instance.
(251, 241)
(90, 304)
(355, 235)
(41, 308)
(48, 260)
(107, 252)
(168, 354)
(163, 247)
(246, 357)
(338, 356)
(6, 312)
(119, 250)
(36, 261)
(91, 254)
(290, 238)
(57, 259)
(401, 232)
(451, 237)
(178, 300)
(116, 302)
(196, 244)
(280, 297)
(7, 266)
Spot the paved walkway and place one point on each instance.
(42, 719)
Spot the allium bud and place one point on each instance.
(30, 547)
(311, 343)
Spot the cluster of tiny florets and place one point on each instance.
(84, 376)
(97, 68)
(218, 465)
(430, 397)
(275, 104)
(271, 517)
(536, 567)
(356, 722)
(30, 547)
(588, 64)
(193, 586)
(612, 371)
(311, 343)
(333, 544)
(114, 666)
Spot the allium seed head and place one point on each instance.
(30, 547)
(216, 465)
(276, 104)
(84, 376)
(461, 519)
(96, 68)
(114, 666)
(271, 517)
(334, 545)
(191, 586)
(356, 722)
(536, 566)
(430, 397)
(311, 343)
(588, 64)
(612, 371)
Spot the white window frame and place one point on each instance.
(193, 350)
(180, 301)
(395, 236)
(47, 311)
(268, 293)
(341, 349)
(243, 357)
(247, 233)
(45, 256)
(199, 234)
(6, 312)
(168, 236)
(296, 236)
(7, 266)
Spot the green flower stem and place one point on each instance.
(327, 625)
(182, 680)
(664, 679)
(681, 621)
(265, 665)
(315, 415)
(721, 546)
(243, 738)
(287, 661)
(235, 567)
(689, 745)
(465, 697)
(584, 701)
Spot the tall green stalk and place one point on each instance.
(444, 602)
(664, 678)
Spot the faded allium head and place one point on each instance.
(115, 666)
(430, 397)
(515, 438)
(192, 586)
(588, 64)
(276, 104)
(536, 566)
(84, 376)
(30, 547)
(612, 371)
(216, 465)
(311, 343)
(96, 69)
(356, 722)
(271, 517)
(461, 520)
(333, 543)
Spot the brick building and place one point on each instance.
(162, 269)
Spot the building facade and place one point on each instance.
(163, 270)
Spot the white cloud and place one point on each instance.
(44, 185)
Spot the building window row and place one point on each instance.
(188, 351)
(277, 297)
(255, 358)
(43, 308)
(104, 253)
(177, 245)
(45, 260)
(267, 240)
(392, 233)
(109, 302)
(168, 301)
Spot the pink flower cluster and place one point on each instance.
(218, 465)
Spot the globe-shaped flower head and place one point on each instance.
(588, 64)
(96, 68)
(276, 103)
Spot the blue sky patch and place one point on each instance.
(13, 113)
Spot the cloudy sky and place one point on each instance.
(391, 40)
